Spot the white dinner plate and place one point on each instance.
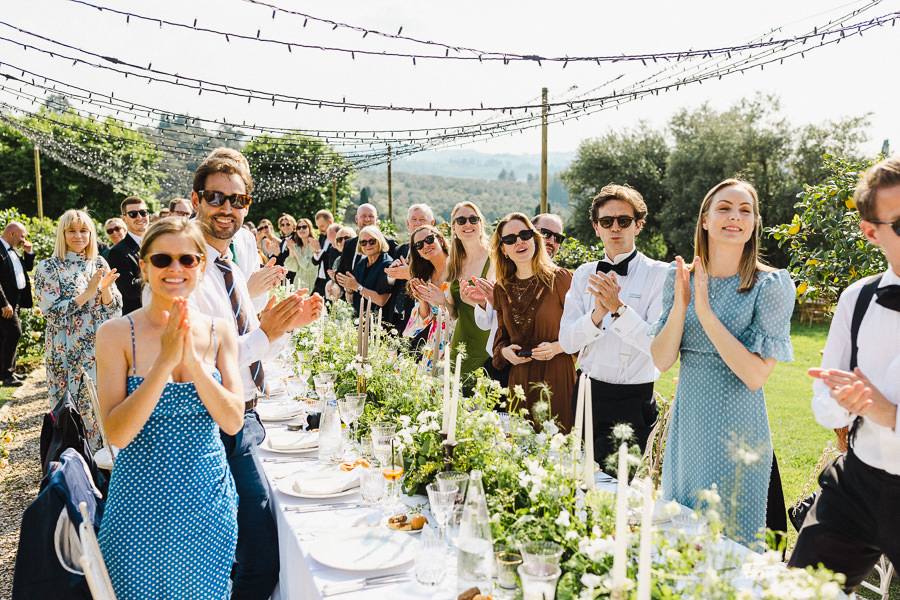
(266, 445)
(286, 486)
(364, 550)
(279, 411)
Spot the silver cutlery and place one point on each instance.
(280, 460)
(355, 585)
(322, 507)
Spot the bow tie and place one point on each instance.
(620, 269)
(889, 297)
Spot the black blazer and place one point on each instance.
(400, 305)
(123, 257)
(9, 293)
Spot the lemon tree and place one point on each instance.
(827, 250)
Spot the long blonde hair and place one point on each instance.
(750, 263)
(68, 218)
(505, 268)
(457, 250)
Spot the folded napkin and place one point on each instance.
(293, 440)
(276, 388)
(278, 410)
(323, 484)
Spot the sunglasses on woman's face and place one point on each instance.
(552, 235)
(262, 228)
(341, 239)
(368, 242)
(624, 221)
(473, 219)
(302, 227)
(161, 261)
(428, 239)
(217, 199)
(524, 235)
(112, 230)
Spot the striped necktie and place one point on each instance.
(240, 317)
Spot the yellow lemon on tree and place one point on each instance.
(812, 262)
(801, 289)
(849, 203)
(795, 228)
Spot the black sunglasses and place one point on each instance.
(216, 199)
(161, 261)
(302, 227)
(552, 235)
(134, 213)
(112, 230)
(472, 219)
(895, 225)
(510, 238)
(341, 239)
(262, 228)
(624, 221)
(368, 242)
(428, 239)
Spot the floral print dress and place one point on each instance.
(71, 329)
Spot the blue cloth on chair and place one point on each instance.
(38, 572)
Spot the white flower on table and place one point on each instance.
(597, 548)
(557, 442)
(564, 519)
(404, 420)
(406, 437)
(622, 431)
(590, 581)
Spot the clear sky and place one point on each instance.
(851, 78)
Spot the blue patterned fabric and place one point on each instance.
(719, 428)
(170, 527)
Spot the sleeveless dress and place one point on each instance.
(169, 529)
(719, 428)
(468, 332)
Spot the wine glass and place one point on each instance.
(392, 469)
(324, 385)
(441, 500)
(460, 480)
(351, 407)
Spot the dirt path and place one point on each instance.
(23, 477)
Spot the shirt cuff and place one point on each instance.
(253, 346)
(627, 322)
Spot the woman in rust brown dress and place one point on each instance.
(529, 297)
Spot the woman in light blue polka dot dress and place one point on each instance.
(728, 315)
(167, 381)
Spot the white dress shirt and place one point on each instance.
(618, 351)
(246, 255)
(211, 298)
(17, 265)
(137, 238)
(879, 360)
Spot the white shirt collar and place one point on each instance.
(619, 258)
(136, 237)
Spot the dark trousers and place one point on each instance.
(10, 333)
(256, 572)
(319, 286)
(853, 521)
(615, 403)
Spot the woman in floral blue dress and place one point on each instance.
(728, 315)
(167, 381)
(75, 292)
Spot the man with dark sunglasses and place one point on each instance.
(854, 518)
(550, 227)
(123, 257)
(222, 188)
(608, 310)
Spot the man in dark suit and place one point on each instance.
(15, 293)
(123, 257)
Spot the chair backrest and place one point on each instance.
(92, 560)
(91, 389)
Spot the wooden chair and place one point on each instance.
(92, 560)
(105, 457)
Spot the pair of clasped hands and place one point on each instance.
(297, 310)
(176, 342)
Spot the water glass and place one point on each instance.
(538, 582)
(371, 484)
(431, 559)
(382, 434)
(507, 565)
(541, 554)
(441, 500)
(461, 480)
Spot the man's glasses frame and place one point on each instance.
(548, 235)
(895, 225)
(624, 221)
(133, 214)
(342, 239)
(217, 199)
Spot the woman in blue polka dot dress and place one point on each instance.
(728, 315)
(167, 381)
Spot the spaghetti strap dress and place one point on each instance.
(169, 529)
(468, 333)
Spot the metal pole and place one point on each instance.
(390, 191)
(544, 112)
(333, 197)
(37, 177)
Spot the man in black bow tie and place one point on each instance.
(608, 309)
(854, 520)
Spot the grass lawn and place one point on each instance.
(5, 394)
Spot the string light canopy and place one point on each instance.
(356, 149)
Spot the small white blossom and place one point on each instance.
(550, 427)
(404, 420)
(405, 437)
(564, 518)
(748, 457)
(557, 442)
(589, 580)
(623, 431)
(671, 509)
(572, 535)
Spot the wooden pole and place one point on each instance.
(37, 177)
(544, 111)
(390, 191)
(333, 197)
